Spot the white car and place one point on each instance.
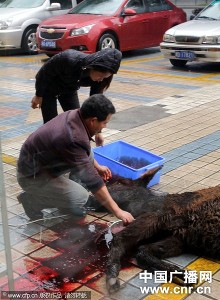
(195, 40)
(19, 20)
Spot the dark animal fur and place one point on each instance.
(165, 226)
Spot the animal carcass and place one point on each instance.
(166, 225)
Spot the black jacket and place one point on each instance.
(66, 71)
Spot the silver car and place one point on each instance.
(19, 20)
(195, 40)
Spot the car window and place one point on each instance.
(137, 5)
(165, 5)
(64, 4)
(157, 5)
(97, 7)
(210, 12)
(22, 3)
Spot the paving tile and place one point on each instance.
(183, 260)
(41, 275)
(16, 209)
(202, 264)
(182, 183)
(209, 182)
(46, 236)
(136, 281)
(15, 255)
(24, 265)
(197, 297)
(44, 253)
(4, 280)
(169, 291)
(129, 272)
(94, 294)
(16, 237)
(21, 284)
(217, 276)
(196, 187)
(127, 291)
(153, 297)
(2, 267)
(27, 246)
(110, 218)
(98, 284)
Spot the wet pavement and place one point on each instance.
(171, 112)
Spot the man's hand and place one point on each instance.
(104, 172)
(36, 102)
(103, 196)
(99, 140)
(125, 216)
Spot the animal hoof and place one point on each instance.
(181, 281)
(113, 285)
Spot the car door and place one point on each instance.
(132, 28)
(157, 20)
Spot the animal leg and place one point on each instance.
(142, 228)
(149, 257)
(113, 267)
(147, 176)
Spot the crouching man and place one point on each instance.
(60, 146)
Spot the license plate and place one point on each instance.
(48, 44)
(185, 55)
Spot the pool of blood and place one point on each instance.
(83, 256)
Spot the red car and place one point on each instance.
(96, 24)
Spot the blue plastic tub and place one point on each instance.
(128, 161)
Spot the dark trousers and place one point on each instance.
(68, 100)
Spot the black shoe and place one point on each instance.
(30, 208)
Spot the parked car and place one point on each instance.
(97, 24)
(195, 40)
(19, 20)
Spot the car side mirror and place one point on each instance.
(128, 12)
(54, 6)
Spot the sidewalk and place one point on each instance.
(168, 112)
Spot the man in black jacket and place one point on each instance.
(61, 145)
(62, 75)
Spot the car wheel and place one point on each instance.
(29, 44)
(107, 41)
(178, 62)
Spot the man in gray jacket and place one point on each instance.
(58, 147)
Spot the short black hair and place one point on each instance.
(98, 106)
